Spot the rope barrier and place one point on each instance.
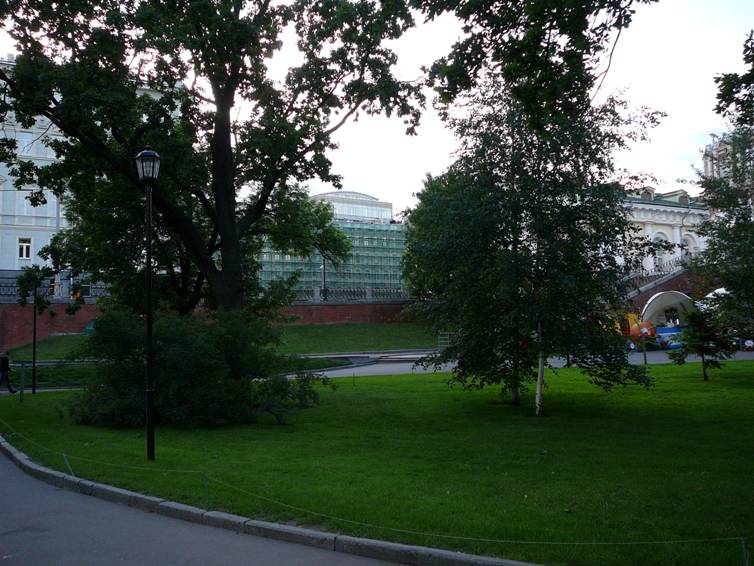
(456, 537)
(99, 462)
(206, 479)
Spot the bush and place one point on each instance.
(209, 369)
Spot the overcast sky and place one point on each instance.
(666, 60)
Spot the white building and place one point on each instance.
(25, 229)
(667, 217)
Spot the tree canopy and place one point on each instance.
(728, 189)
(735, 95)
(522, 247)
(195, 81)
(550, 53)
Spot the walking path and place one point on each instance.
(42, 524)
(393, 363)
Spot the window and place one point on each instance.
(24, 248)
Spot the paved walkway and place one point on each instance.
(41, 524)
(396, 364)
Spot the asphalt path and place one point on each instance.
(42, 524)
(397, 364)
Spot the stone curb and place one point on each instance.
(370, 548)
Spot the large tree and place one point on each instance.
(551, 53)
(735, 96)
(728, 259)
(196, 81)
(522, 247)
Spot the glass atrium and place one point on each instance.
(374, 269)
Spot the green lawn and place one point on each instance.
(51, 348)
(296, 339)
(407, 452)
(317, 338)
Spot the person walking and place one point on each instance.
(5, 371)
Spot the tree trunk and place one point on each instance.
(227, 289)
(704, 369)
(516, 393)
(540, 373)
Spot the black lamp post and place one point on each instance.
(148, 167)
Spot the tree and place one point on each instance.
(705, 337)
(548, 53)
(735, 95)
(194, 81)
(521, 247)
(728, 188)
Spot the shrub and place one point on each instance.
(209, 369)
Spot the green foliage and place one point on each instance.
(515, 248)
(735, 95)
(728, 259)
(276, 395)
(114, 77)
(706, 337)
(34, 282)
(548, 53)
(209, 370)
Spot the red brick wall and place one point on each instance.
(16, 323)
(317, 314)
(680, 283)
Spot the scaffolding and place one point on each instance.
(373, 267)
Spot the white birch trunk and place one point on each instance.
(540, 373)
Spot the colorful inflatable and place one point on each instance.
(635, 331)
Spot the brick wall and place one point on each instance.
(16, 323)
(680, 283)
(330, 313)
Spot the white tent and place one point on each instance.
(654, 310)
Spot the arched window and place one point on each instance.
(663, 256)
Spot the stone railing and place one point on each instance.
(319, 295)
(640, 279)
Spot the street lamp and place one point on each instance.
(148, 168)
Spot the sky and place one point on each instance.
(666, 60)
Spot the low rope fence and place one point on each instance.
(206, 480)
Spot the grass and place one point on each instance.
(319, 338)
(296, 339)
(407, 452)
(51, 348)
(292, 364)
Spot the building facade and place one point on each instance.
(373, 272)
(667, 217)
(26, 229)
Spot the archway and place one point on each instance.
(662, 257)
(667, 308)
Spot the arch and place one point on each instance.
(690, 246)
(659, 303)
(662, 256)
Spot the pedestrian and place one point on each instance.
(5, 371)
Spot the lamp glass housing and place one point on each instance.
(148, 165)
